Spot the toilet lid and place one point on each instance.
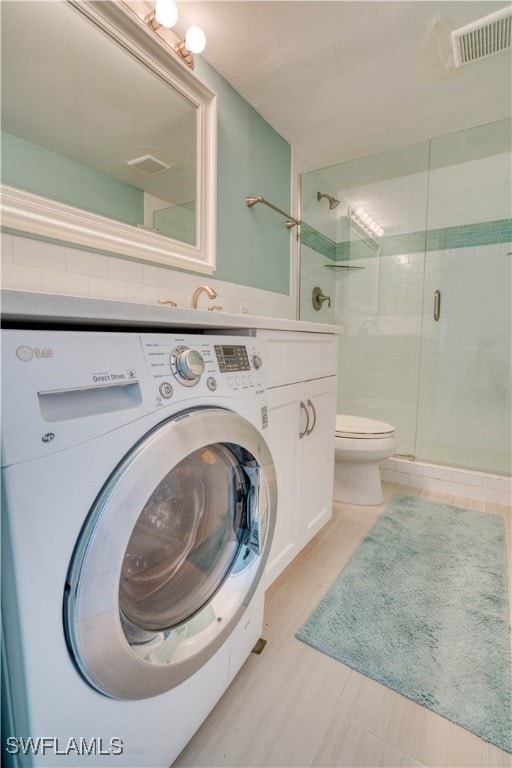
(356, 426)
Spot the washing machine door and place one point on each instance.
(171, 553)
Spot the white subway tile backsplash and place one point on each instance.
(158, 276)
(39, 266)
(124, 269)
(65, 282)
(35, 253)
(171, 294)
(186, 282)
(6, 247)
(20, 275)
(147, 294)
(105, 288)
(86, 263)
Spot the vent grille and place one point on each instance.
(483, 38)
(149, 164)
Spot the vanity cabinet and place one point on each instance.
(301, 399)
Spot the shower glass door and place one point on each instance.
(375, 279)
(464, 414)
(445, 208)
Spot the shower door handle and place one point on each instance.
(437, 304)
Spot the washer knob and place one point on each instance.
(190, 364)
(257, 361)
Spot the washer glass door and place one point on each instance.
(185, 541)
(171, 553)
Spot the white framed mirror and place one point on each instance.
(108, 140)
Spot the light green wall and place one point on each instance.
(35, 169)
(253, 244)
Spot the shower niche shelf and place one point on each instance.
(340, 266)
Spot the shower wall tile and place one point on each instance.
(385, 307)
(462, 248)
(315, 272)
(468, 204)
(478, 190)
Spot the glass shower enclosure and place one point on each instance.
(414, 249)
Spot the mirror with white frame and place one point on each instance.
(108, 140)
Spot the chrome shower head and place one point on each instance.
(333, 203)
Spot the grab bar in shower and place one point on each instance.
(291, 220)
(437, 304)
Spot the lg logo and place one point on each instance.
(27, 353)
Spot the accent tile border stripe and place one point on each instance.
(318, 242)
(463, 236)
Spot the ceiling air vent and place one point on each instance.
(483, 38)
(149, 164)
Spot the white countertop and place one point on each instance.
(31, 306)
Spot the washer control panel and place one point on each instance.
(201, 365)
(187, 365)
(232, 357)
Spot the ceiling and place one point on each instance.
(342, 79)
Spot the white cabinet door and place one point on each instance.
(300, 436)
(318, 456)
(285, 423)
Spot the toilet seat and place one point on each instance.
(361, 428)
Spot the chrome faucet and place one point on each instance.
(198, 291)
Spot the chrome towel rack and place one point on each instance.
(291, 221)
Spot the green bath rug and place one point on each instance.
(422, 607)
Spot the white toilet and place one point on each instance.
(360, 444)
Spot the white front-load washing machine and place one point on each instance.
(139, 501)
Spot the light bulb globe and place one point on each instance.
(195, 39)
(166, 13)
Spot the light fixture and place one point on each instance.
(163, 18)
(365, 221)
(195, 39)
(166, 13)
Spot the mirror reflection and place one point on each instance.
(87, 124)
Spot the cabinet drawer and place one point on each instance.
(291, 357)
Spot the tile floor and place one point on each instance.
(295, 707)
